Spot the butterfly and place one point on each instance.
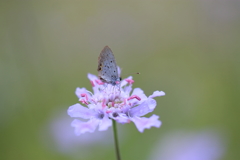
(107, 67)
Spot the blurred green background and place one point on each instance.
(189, 49)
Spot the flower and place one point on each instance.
(108, 102)
(65, 141)
(206, 144)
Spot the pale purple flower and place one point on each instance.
(109, 102)
(207, 144)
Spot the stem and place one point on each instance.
(116, 140)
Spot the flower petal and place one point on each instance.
(122, 120)
(77, 110)
(157, 94)
(127, 90)
(139, 92)
(82, 127)
(93, 106)
(92, 77)
(119, 71)
(123, 82)
(146, 123)
(95, 86)
(104, 123)
(144, 108)
(80, 91)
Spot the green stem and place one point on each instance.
(116, 140)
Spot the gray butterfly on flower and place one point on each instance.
(108, 102)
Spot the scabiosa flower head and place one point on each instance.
(109, 102)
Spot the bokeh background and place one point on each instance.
(188, 49)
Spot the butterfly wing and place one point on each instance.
(107, 67)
